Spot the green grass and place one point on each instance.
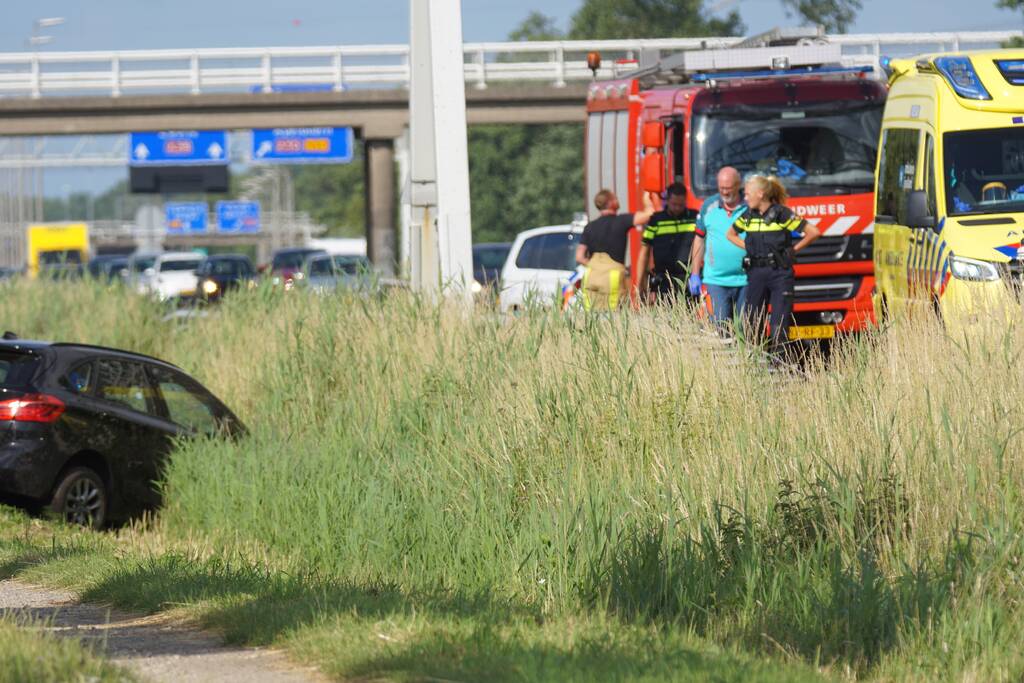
(28, 656)
(426, 493)
(372, 631)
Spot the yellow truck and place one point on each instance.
(57, 247)
(949, 186)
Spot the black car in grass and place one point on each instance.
(86, 429)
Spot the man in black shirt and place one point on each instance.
(602, 250)
(669, 237)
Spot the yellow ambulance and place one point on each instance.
(949, 185)
(57, 249)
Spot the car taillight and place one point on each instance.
(32, 408)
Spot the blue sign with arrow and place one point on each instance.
(238, 216)
(184, 218)
(178, 148)
(302, 145)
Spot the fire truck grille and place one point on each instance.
(815, 290)
(837, 248)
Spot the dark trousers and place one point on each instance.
(670, 288)
(770, 286)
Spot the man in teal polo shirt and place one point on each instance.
(719, 259)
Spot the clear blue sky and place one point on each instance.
(138, 24)
(127, 24)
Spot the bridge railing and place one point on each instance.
(337, 68)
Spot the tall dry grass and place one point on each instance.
(865, 514)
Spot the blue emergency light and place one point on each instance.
(886, 64)
(1012, 70)
(960, 74)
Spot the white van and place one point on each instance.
(540, 263)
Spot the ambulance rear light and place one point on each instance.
(1012, 70)
(960, 74)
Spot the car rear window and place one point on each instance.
(168, 266)
(552, 251)
(16, 369)
(292, 260)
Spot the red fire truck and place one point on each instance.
(780, 103)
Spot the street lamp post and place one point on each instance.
(35, 41)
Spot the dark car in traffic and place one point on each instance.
(87, 429)
(220, 274)
(107, 267)
(287, 264)
(488, 260)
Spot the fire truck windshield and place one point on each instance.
(815, 149)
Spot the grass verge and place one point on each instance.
(491, 497)
(364, 632)
(27, 656)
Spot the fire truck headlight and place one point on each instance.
(973, 269)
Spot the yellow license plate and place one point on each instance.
(812, 332)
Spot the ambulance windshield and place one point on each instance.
(984, 171)
(815, 149)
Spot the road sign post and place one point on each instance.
(440, 160)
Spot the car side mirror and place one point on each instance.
(918, 215)
(149, 272)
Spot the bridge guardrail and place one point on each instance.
(337, 68)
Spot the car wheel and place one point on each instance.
(81, 498)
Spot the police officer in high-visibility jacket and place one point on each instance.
(770, 226)
(669, 236)
(602, 250)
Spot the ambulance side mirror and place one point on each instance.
(918, 215)
(653, 134)
(652, 172)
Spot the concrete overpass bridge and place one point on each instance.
(366, 87)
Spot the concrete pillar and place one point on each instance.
(380, 204)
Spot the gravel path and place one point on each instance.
(153, 647)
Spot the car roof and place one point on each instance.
(37, 346)
(532, 232)
(180, 256)
(228, 257)
(296, 250)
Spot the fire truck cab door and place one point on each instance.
(673, 151)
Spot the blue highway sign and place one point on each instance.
(186, 217)
(294, 87)
(178, 148)
(302, 145)
(237, 216)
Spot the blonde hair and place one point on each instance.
(773, 189)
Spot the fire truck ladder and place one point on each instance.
(779, 52)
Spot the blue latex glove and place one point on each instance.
(694, 283)
(787, 169)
